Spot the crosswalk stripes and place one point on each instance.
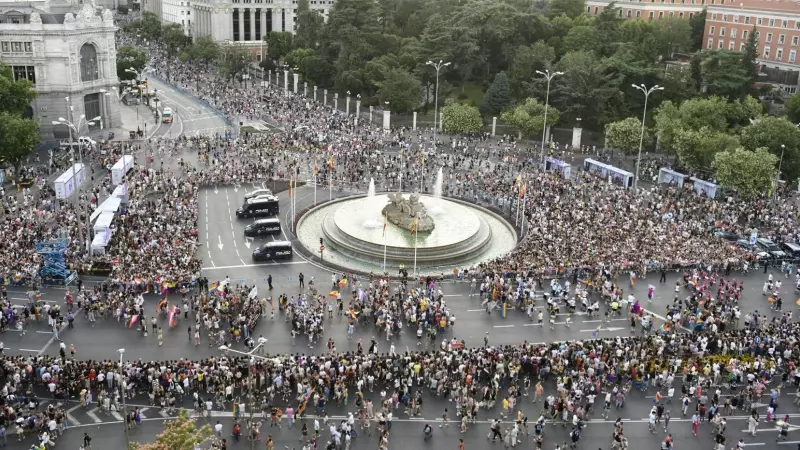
(141, 413)
(92, 413)
(117, 415)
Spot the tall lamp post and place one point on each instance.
(250, 379)
(549, 77)
(438, 66)
(140, 77)
(122, 394)
(778, 175)
(73, 130)
(646, 93)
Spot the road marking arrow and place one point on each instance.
(220, 242)
(235, 188)
(247, 241)
(117, 416)
(70, 417)
(93, 416)
(141, 413)
(163, 413)
(612, 329)
(216, 191)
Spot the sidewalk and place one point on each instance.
(129, 123)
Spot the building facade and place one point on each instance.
(650, 9)
(153, 6)
(178, 12)
(69, 54)
(248, 21)
(776, 24)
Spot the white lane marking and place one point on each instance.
(256, 265)
(93, 416)
(504, 326)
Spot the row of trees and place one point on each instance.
(379, 49)
(19, 132)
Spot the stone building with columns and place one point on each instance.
(248, 21)
(68, 52)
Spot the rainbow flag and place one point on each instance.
(516, 182)
(504, 311)
(522, 190)
(235, 410)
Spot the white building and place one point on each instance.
(248, 21)
(178, 11)
(69, 53)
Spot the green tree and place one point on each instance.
(569, 8)
(750, 174)
(498, 96)
(750, 63)
(625, 134)
(587, 89)
(714, 114)
(300, 58)
(279, 44)
(150, 26)
(723, 73)
(698, 25)
(528, 118)
(582, 38)
(792, 108)
(174, 38)
(672, 35)
(527, 60)
(310, 24)
(460, 118)
(129, 57)
(696, 149)
(18, 137)
(234, 59)
(777, 135)
(204, 49)
(401, 90)
(181, 433)
(15, 96)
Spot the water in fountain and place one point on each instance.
(437, 188)
(371, 191)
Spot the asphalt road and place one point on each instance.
(192, 118)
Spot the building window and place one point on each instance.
(652, 15)
(720, 44)
(792, 55)
(671, 13)
(638, 14)
(711, 30)
(736, 18)
(758, 35)
(24, 73)
(779, 54)
(781, 39)
(629, 13)
(785, 24)
(744, 35)
(714, 16)
(710, 44)
(691, 14)
(6, 46)
(680, 14)
(758, 21)
(731, 45)
(89, 67)
(722, 31)
(733, 33)
(747, 20)
(766, 52)
(741, 47)
(794, 41)
(661, 14)
(724, 17)
(772, 22)
(769, 37)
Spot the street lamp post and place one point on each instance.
(646, 93)
(122, 394)
(549, 76)
(73, 130)
(250, 380)
(438, 66)
(140, 77)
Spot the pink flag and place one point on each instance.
(133, 321)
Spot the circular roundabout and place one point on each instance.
(359, 237)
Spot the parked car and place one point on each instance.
(772, 248)
(728, 236)
(793, 250)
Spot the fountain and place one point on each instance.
(371, 191)
(437, 188)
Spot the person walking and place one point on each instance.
(302, 278)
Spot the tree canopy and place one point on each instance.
(18, 135)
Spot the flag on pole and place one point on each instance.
(414, 226)
(384, 229)
(504, 310)
(517, 182)
(330, 161)
(290, 187)
(522, 190)
(596, 331)
(422, 157)
(316, 168)
(235, 409)
(133, 321)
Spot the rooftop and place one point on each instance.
(790, 6)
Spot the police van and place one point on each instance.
(273, 250)
(258, 207)
(263, 227)
(256, 193)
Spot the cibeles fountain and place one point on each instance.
(362, 232)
